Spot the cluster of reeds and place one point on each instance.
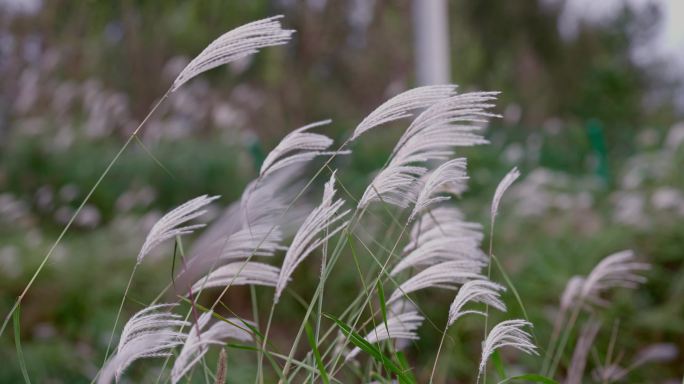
(431, 246)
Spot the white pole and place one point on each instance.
(431, 41)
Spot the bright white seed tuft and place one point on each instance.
(509, 333)
(257, 240)
(504, 184)
(395, 185)
(197, 343)
(169, 226)
(239, 273)
(462, 251)
(447, 275)
(402, 105)
(318, 227)
(450, 176)
(476, 291)
(443, 221)
(297, 147)
(235, 44)
(149, 333)
(452, 122)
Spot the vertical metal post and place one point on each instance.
(431, 41)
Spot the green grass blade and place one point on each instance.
(17, 342)
(316, 353)
(383, 306)
(401, 357)
(509, 282)
(371, 349)
(498, 365)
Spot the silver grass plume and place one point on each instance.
(452, 122)
(398, 307)
(197, 343)
(402, 105)
(394, 185)
(230, 238)
(149, 333)
(263, 201)
(235, 44)
(210, 241)
(476, 291)
(398, 327)
(509, 333)
(439, 235)
(321, 224)
(655, 353)
(447, 275)
(296, 147)
(457, 249)
(240, 273)
(617, 270)
(579, 356)
(252, 226)
(257, 240)
(266, 200)
(443, 221)
(449, 176)
(571, 292)
(461, 115)
(504, 184)
(170, 225)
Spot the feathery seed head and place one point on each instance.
(451, 122)
(169, 226)
(402, 106)
(149, 333)
(449, 176)
(447, 275)
(197, 342)
(617, 270)
(321, 224)
(476, 291)
(242, 41)
(239, 273)
(297, 147)
(504, 184)
(509, 333)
